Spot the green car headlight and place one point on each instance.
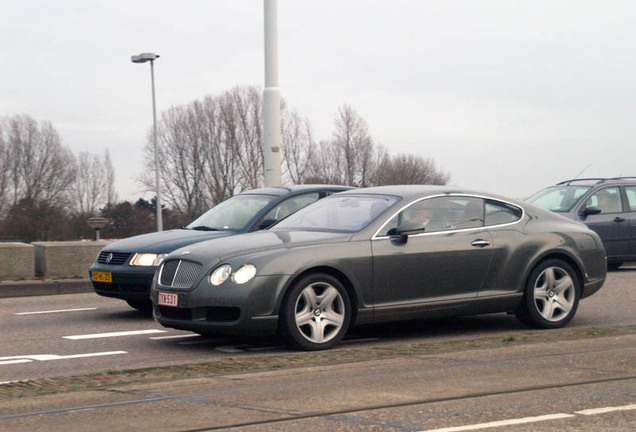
(147, 259)
(220, 274)
(244, 274)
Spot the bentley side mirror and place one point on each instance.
(405, 229)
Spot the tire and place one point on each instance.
(140, 305)
(614, 265)
(316, 313)
(551, 296)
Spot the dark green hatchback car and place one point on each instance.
(125, 269)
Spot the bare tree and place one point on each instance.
(298, 146)
(209, 150)
(4, 172)
(350, 157)
(41, 168)
(111, 193)
(354, 144)
(90, 188)
(180, 165)
(221, 164)
(243, 105)
(409, 169)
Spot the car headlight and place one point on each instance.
(220, 274)
(147, 259)
(244, 274)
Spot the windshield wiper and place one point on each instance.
(204, 228)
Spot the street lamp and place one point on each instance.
(143, 58)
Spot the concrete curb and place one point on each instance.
(44, 287)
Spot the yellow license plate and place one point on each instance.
(99, 276)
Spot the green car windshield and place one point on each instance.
(558, 198)
(232, 214)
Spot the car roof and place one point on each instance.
(414, 191)
(286, 190)
(598, 180)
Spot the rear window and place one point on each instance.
(498, 213)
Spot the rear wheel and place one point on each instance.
(316, 312)
(551, 297)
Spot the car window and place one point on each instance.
(290, 206)
(498, 213)
(608, 200)
(631, 197)
(233, 213)
(558, 198)
(439, 214)
(347, 213)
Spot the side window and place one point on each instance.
(291, 205)
(439, 214)
(608, 200)
(498, 213)
(631, 197)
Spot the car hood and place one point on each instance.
(164, 241)
(247, 244)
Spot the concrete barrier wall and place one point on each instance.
(59, 260)
(16, 261)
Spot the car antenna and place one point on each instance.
(584, 169)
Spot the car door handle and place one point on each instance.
(619, 219)
(480, 243)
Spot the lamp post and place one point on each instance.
(271, 98)
(143, 58)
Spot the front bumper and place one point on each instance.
(229, 308)
(129, 283)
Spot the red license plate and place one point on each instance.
(168, 299)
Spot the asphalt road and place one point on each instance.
(51, 336)
(471, 373)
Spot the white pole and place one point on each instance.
(154, 137)
(271, 98)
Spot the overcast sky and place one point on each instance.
(508, 96)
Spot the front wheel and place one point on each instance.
(551, 297)
(316, 312)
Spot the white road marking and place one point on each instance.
(55, 311)
(175, 336)
(587, 412)
(112, 334)
(503, 423)
(8, 362)
(596, 411)
(50, 357)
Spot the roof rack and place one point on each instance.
(597, 179)
(621, 178)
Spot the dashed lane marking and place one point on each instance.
(113, 334)
(525, 420)
(55, 311)
(50, 357)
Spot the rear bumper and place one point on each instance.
(592, 286)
